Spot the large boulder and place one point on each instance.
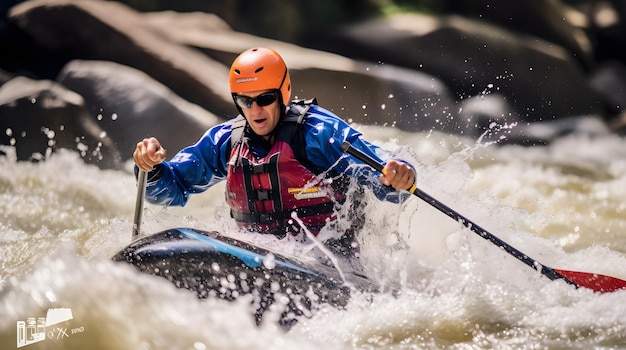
(39, 116)
(110, 31)
(129, 105)
(609, 80)
(549, 20)
(5, 76)
(539, 79)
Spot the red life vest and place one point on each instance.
(264, 192)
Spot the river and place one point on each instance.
(563, 204)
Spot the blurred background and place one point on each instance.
(523, 72)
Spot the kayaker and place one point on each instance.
(278, 157)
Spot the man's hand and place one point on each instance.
(398, 175)
(148, 154)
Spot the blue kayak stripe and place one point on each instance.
(251, 259)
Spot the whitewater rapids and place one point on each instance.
(563, 204)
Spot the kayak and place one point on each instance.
(213, 265)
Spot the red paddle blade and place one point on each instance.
(594, 281)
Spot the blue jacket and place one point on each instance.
(198, 167)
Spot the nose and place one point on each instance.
(255, 108)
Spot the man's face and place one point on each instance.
(262, 119)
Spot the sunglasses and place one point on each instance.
(262, 100)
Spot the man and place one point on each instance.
(280, 160)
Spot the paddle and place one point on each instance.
(593, 281)
(141, 193)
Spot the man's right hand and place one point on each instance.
(148, 154)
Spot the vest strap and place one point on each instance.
(262, 195)
(260, 169)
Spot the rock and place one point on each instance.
(110, 31)
(40, 116)
(491, 119)
(609, 81)
(129, 105)
(543, 133)
(488, 117)
(5, 76)
(545, 19)
(539, 79)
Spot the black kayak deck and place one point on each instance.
(213, 265)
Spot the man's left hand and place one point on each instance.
(398, 175)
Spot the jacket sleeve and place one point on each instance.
(324, 135)
(192, 170)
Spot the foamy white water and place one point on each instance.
(564, 205)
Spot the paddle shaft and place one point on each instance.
(545, 270)
(141, 193)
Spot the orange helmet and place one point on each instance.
(260, 68)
